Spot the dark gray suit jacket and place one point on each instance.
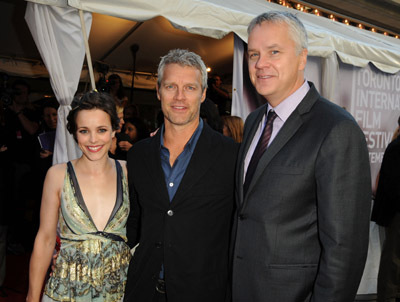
(302, 230)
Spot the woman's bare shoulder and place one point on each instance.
(58, 168)
(56, 172)
(53, 183)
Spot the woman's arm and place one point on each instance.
(46, 236)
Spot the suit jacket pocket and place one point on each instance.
(300, 274)
(288, 283)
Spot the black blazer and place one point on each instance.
(302, 229)
(387, 201)
(192, 241)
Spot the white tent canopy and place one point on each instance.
(216, 18)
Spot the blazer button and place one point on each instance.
(158, 245)
(242, 217)
(170, 213)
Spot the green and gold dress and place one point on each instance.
(92, 265)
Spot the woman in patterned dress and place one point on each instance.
(87, 199)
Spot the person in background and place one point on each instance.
(303, 180)
(233, 127)
(21, 125)
(4, 198)
(87, 200)
(130, 111)
(210, 115)
(22, 108)
(396, 134)
(49, 115)
(115, 151)
(43, 159)
(136, 130)
(116, 90)
(218, 94)
(386, 213)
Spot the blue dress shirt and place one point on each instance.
(173, 175)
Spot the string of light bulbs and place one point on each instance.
(334, 17)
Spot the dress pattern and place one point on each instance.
(92, 265)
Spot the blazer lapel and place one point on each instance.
(201, 161)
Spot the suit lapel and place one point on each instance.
(201, 161)
(248, 138)
(290, 127)
(287, 131)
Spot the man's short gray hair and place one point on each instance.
(296, 27)
(183, 57)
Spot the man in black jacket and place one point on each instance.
(181, 188)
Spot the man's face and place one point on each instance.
(50, 117)
(21, 94)
(275, 69)
(181, 95)
(217, 81)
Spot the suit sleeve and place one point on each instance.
(344, 204)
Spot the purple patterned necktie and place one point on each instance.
(259, 150)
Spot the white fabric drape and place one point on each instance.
(58, 37)
(330, 73)
(239, 107)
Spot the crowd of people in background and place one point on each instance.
(20, 123)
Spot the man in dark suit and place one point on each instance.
(182, 195)
(303, 204)
(386, 213)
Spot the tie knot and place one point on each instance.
(271, 116)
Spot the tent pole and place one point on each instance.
(120, 41)
(88, 56)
